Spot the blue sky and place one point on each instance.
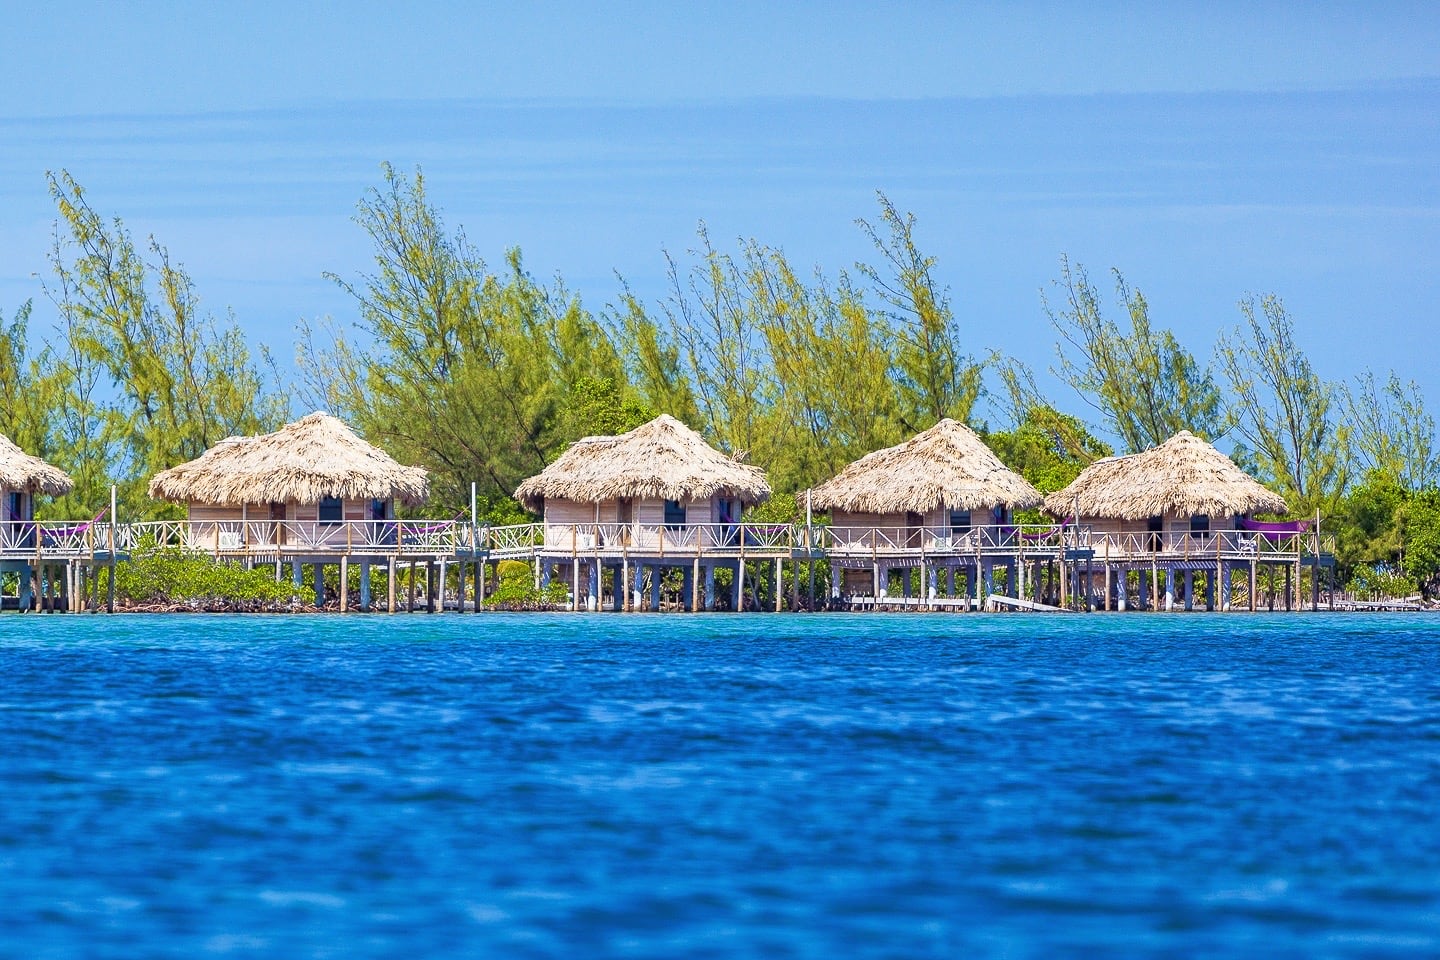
(1207, 152)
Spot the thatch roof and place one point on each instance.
(315, 457)
(946, 466)
(20, 471)
(1184, 475)
(663, 459)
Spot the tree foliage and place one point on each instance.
(1286, 415)
(155, 380)
(1144, 384)
(1391, 431)
(449, 365)
(937, 379)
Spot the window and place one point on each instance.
(959, 521)
(377, 509)
(332, 510)
(1199, 524)
(1155, 527)
(674, 513)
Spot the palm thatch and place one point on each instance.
(946, 466)
(663, 459)
(315, 457)
(20, 471)
(1185, 476)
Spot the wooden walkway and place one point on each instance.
(950, 569)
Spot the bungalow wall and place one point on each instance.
(18, 533)
(1137, 535)
(898, 529)
(230, 527)
(571, 523)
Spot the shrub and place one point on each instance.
(175, 575)
(516, 589)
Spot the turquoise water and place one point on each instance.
(759, 786)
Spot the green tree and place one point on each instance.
(1391, 430)
(183, 380)
(652, 360)
(1286, 416)
(1145, 385)
(936, 377)
(1368, 522)
(460, 369)
(1420, 527)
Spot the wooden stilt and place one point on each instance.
(779, 585)
(344, 583)
(389, 584)
(694, 586)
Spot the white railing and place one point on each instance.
(956, 540)
(455, 537)
(1210, 543)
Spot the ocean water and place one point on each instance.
(718, 786)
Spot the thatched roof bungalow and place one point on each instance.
(661, 476)
(936, 486)
(1182, 486)
(315, 470)
(22, 477)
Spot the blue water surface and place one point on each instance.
(719, 786)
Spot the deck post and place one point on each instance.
(319, 570)
(779, 584)
(459, 586)
(297, 575)
(479, 585)
(1122, 585)
(1169, 589)
(440, 592)
(1189, 590)
(365, 586)
(593, 587)
(574, 581)
(1288, 598)
(740, 585)
(410, 594)
(1253, 578)
(794, 584)
(623, 594)
(390, 584)
(655, 578)
(710, 592)
(1224, 575)
(429, 586)
(345, 583)
(835, 579)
